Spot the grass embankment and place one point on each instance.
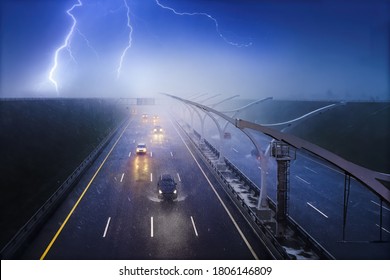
(41, 144)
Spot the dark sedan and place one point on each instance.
(166, 187)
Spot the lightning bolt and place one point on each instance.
(118, 72)
(88, 43)
(66, 45)
(69, 49)
(208, 16)
(68, 39)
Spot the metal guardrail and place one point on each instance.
(32, 225)
(248, 182)
(377, 182)
(256, 191)
(272, 244)
(250, 211)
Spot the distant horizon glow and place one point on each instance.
(286, 49)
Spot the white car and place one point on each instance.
(141, 148)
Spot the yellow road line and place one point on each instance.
(81, 196)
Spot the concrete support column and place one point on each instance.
(281, 195)
(281, 152)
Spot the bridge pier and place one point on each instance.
(281, 152)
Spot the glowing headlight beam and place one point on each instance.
(118, 72)
(208, 16)
(66, 44)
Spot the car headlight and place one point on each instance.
(175, 191)
(159, 191)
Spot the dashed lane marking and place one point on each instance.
(303, 180)
(315, 208)
(376, 203)
(219, 198)
(178, 177)
(106, 228)
(383, 229)
(311, 170)
(151, 227)
(81, 196)
(193, 225)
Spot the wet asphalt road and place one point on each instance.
(114, 211)
(316, 199)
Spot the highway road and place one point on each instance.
(114, 211)
(316, 195)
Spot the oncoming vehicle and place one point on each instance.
(157, 129)
(166, 187)
(141, 148)
(144, 116)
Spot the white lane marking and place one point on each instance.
(151, 226)
(259, 167)
(128, 198)
(219, 198)
(151, 154)
(376, 203)
(235, 150)
(324, 165)
(123, 175)
(193, 225)
(311, 170)
(151, 177)
(105, 230)
(380, 110)
(178, 176)
(383, 228)
(48, 248)
(311, 205)
(296, 176)
(171, 154)
(130, 154)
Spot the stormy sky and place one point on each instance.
(295, 49)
